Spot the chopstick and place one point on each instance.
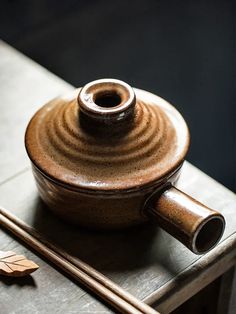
(85, 274)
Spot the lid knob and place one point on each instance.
(107, 100)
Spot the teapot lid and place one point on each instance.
(111, 137)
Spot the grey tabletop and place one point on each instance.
(145, 261)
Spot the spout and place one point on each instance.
(195, 225)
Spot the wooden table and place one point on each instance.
(145, 261)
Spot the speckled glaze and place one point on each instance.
(136, 150)
(101, 152)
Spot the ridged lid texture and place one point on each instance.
(111, 137)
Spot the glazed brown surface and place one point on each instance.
(195, 225)
(74, 149)
(98, 158)
(118, 210)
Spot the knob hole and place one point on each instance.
(107, 99)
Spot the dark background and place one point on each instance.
(183, 51)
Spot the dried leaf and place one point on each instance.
(15, 265)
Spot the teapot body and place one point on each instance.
(94, 210)
(110, 158)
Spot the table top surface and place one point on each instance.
(145, 261)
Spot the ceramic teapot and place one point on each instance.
(109, 156)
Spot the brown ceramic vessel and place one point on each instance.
(108, 156)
